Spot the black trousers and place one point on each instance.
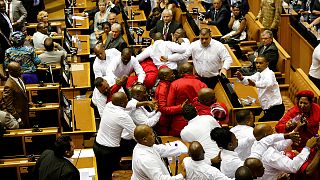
(210, 82)
(274, 113)
(315, 81)
(107, 159)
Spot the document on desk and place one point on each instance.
(78, 17)
(83, 153)
(77, 67)
(87, 173)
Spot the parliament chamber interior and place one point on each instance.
(60, 103)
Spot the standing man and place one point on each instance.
(15, 99)
(185, 88)
(103, 59)
(269, 15)
(40, 36)
(314, 72)
(146, 157)
(16, 12)
(55, 164)
(219, 16)
(166, 26)
(268, 90)
(107, 144)
(5, 31)
(210, 58)
(115, 39)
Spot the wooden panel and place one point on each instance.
(254, 28)
(81, 75)
(284, 31)
(195, 4)
(254, 6)
(84, 115)
(283, 64)
(85, 45)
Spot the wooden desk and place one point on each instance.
(18, 168)
(236, 65)
(85, 45)
(84, 158)
(54, 66)
(81, 5)
(84, 115)
(79, 26)
(284, 30)
(215, 33)
(195, 4)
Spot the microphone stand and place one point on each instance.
(164, 159)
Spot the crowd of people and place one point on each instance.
(160, 92)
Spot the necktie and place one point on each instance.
(215, 15)
(165, 31)
(21, 84)
(263, 49)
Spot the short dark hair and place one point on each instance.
(62, 145)
(221, 136)
(242, 115)
(98, 81)
(48, 44)
(104, 24)
(189, 112)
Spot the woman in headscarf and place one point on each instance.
(25, 56)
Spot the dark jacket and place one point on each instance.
(51, 167)
(173, 26)
(271, 53)
(221, 20)
(5, 29)
(118, 43)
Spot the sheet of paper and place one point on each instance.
(77, 67)
(87, 173)
(84, 153)
(78, 17)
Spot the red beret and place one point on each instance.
(305, 93)
(219, 111)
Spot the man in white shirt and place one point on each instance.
(244, 133)
(140, 115)
(103, 59)
(146, 158)
(268, 90)
(125, 66)
(107, 144)
(50, 55)
(198, 129)
(243, 173)
(314, 72)
(210, 58)
(256, 167)
(197, 168)
(161, 48)
(40, 36)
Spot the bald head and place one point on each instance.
(99, 51)
(256, 167)
(179, 33)
(144, 135)
(158, 36)
(196, 151)
(243, 173)
(139, 92)
(14, 69)
(185, 68)
(119, 99)
(207, 96)
(262, 130)
(165, 74)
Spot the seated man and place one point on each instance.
(185, 88)
(146, 157)
(112, 18)
(103, 59)
(159, 49)
(40, 36)
(50, 55)
(8, 121)
(198, 129)
(125, 66)
(197, 168)
(166, 26)
(55, 164)
(115, 39)
(219, 15)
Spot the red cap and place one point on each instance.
(305, 93)
(219, 111)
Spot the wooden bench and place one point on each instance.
(298, 81)
(283, 64)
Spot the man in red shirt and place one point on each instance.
(185, 88)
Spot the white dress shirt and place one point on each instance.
(259, 147)
(38, 40)
(117, 69)
(200, 170)
(198, 129)
(268, 88)
(141, 116)
(315, 66)
(161, 48)
(147, 163)
(206, 60)
(245, 137)
(176, 56)
(100, 66)
(230, 162)
(114, 120)
(275, 162)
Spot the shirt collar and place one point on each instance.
(16, 79)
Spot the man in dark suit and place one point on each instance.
(166, 26)
(5, 30)
(16, 12)
(15, 99)
(53, 164)
(219, 16)
(115, 40)
(268, 49)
